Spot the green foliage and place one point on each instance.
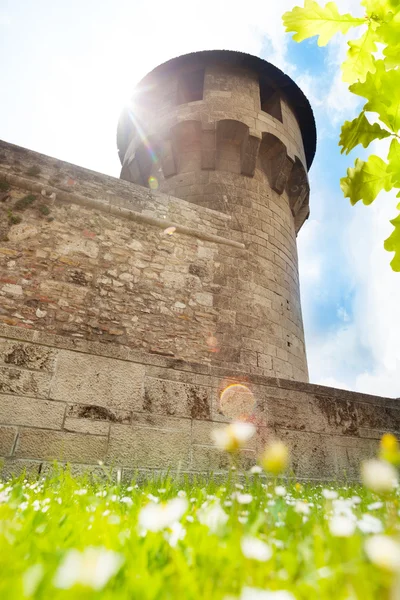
(46, 523)
(313, 20)
(378, 81)
(25, 202)
(13, 219)
(360, 131)
(34, 171)
(366, 180)
(44, 209)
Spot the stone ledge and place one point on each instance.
(216, 374)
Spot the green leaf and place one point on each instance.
(360, 131)
(314, 19)
(380, 9)
(394, 162)
(389, 31)
(360, 60)
(366, 180)
(381, 89)
(392, 244)
(392, 56)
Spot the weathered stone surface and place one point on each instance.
(86, 379)
(15, 467)
(208, 458)
(7, 440)
(86, 426)
(27, 356)
(172, 398)
(93, 412)
(312, 455)
(26, 383)
(52, 445)
(138, 446)
(17, 410)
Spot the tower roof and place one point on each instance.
(267, 73)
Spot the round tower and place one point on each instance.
(231, 132)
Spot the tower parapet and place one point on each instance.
(231, 132)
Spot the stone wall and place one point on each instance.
(82, 402)
(85, 255)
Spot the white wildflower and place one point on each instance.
(342, 526)
(181, 494)
(384, 552)
(329, 494)
(155, 517)
(378, 475)
(375, 506)
(255, 549)
(369, 524)
(280, 490)
(81, 492)
(153, 498)
(255, 470)
(4, 496)
(244, 498)
(126, 500)
(213, 516)
(302, 507)
(234, 436)
(176, 532)
(91, 568)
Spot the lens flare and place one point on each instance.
(237, 401)
(169, 231)
(143, 136)
(153, 182)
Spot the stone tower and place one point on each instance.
(230, 132)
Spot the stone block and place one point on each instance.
(173, 398)
(16, 410)
(208, 458)
(88, 379)
(379, 419)
(27, 356)
(350, 452)
(98, 413)
(7, 440)
(311, 455)
(54, 445)
(13, 467)
(86, 426)
(27, 383)
(148, 447)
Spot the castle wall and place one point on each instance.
(98, 266)
(82, 402)
(223, 152)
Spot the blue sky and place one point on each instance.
(67, 70)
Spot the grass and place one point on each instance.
(203, 557)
